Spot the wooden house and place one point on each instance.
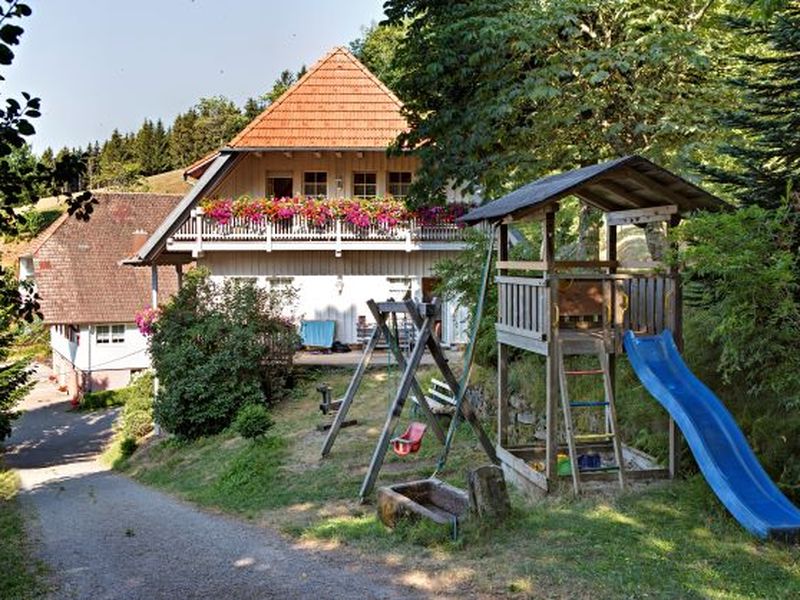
(559, 309)
(326, 137)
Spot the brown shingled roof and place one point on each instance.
(338, 103)
(77, 267)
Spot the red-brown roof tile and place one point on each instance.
(338, 103)
(77, 266)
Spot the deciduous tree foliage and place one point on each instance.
(499, 93)
(19, 180)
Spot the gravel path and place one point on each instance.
(105, 536)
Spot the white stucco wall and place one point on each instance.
(88, 355)
(331, 288)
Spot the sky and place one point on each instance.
(104, 64)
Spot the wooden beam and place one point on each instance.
(467, 411)
(639, 216)
(594, 200)
(521, 265)
(394, 347)
(502, 349)
(649, 182)
(395, 410)
(641, 264)
(355, 382)
(549, 239)
(532, 213)
(623, 195)
(584, 264)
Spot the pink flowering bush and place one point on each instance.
(145, 319)
(364, 213)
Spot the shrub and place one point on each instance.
(127, 447)
(102, 399)
(742, 274)
(252, 421)
(217, 348)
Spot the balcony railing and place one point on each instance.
(299, 229)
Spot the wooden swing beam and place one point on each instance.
(380, 310)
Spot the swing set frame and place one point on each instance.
(423, 315)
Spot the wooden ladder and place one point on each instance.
(610, 433)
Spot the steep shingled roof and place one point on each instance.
(78, 270)
(338, 103)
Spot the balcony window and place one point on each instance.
(399, 184)
(279, 186)
(365, 185)
(315, 184)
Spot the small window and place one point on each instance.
(399, 183)
(315, 184)
(365, 185)
(280, 284)
(118, 334)
(110, 334)
(103, 333)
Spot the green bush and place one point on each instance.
(742, 273)
(217, 348)
(127, 447)
(102, 399)
(136, 420)
(252, 421)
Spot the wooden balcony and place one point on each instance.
(532, 309)
(200, 233)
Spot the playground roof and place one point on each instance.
(624, 183)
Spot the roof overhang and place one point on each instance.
(155, 244)
(626, 183)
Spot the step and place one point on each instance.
(589, 437)
(599, 469)
(585, 372)
(585, 404)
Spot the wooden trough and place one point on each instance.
(425, 498)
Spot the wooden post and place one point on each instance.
(395, 410)
(154, 305)
(394, 347)
(153, 286)
(179, 274)
(351, 392)
(677, 333)
(551, 383)
(502, 349)
(466, 408)
(611, 297)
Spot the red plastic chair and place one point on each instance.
(410, 441)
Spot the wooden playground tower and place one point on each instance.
(559, 309)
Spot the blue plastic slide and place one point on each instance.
(719, 446)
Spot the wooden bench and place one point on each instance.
(440, 398)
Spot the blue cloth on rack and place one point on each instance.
(318, 334)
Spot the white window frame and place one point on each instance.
(109, 334)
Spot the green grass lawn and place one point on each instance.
(672, 540)
(20, 575)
